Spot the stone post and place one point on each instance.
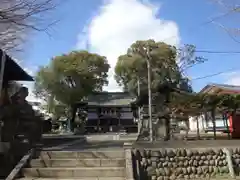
(229, 161)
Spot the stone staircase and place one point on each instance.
(79, 165)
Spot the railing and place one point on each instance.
(21, 164)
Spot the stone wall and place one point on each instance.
(236, 160)
(169, 164)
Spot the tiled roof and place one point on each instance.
(110, 98)
(12, 71)
(228, 87)
(221, 86)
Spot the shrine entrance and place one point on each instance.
(109, 124)
(108, 112)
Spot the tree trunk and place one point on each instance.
(167, 126)
(206, 119)
(203, 126)
(72, 124)
(140, 122)
(225, 119)
(187, 130)
(214, 123)
(198, 133)
(168, 118)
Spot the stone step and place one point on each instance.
(54, 172)
(77, 163)
(88, 178)
(82, 154)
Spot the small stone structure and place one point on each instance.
(170, 164)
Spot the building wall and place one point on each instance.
(127, 115)
(92, 115)
(124, 115)
(203, 124)
(193, 123)
(125, 112)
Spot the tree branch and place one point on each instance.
(18, 17)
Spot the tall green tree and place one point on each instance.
(71, 77)
(167, 65)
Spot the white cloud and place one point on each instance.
(119, 23)
(233, 78)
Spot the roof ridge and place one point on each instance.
(224, 85)
(106, 92)
(221, 86)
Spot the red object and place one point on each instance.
(230, 119)
(234, 125)
(234, 121)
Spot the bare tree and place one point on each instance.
(19, 17)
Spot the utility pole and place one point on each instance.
(149, 95)
(139, 110)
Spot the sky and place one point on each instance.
(109, 27)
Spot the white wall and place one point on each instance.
(203, 124)
(193, 123)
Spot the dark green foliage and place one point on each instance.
(71, 77)
(166, 62)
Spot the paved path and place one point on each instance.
(104, 141)
(189, 144)
(100, 136)
(96, 146)
(92, 142)
(84, 145)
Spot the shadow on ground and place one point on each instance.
(57, 141)
(95, 145)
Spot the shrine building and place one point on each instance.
(233, 122)
(109, 112)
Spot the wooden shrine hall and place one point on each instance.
(108, 112)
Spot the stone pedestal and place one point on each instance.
(160, 129)
(144, 131)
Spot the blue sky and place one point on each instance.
(111, 26)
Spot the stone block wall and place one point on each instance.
(236, 160)
(170, 164)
